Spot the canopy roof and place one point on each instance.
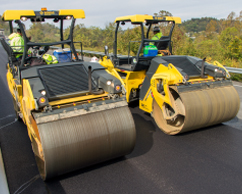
(148, 18)
(9, 15)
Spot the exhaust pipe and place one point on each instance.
(202, 68)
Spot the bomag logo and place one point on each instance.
(159, 18)
(144, 106)
(46, 12)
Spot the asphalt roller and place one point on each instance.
(204, 98)
(75, 111)
(198, 108)
(182, 93)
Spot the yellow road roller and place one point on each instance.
(75, 111)
(182, 93)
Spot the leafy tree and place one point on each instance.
(126, 40)
(43, 32)
(163, 13)
(235, 48)
(197, 24)
(229, 40)
(4, 26)
(108, 35)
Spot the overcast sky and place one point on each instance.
(101, 12)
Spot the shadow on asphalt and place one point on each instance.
(144, 135)
(54, 185)
(198, 130)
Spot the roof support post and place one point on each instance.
(11, 27)
(71, 38)
(61, 32)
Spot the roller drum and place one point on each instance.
(202, 108)
(78, 142)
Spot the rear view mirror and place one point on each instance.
(106, 50)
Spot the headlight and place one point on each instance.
(68, 17)
(24, 18)
(109, 83)
(43, 92)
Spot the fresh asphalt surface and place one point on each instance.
(204, 161)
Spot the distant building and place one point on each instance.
(190, 35)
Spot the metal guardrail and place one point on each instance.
(234, 70)
(88, 52)
(230, 69)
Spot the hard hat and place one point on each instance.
(156, 29)
(94, 59)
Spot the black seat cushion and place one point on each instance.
(163, 44)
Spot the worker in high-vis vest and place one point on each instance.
(17, 42)
(50, 59)
(157, 35)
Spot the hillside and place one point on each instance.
(197, 24)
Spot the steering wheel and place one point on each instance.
(44, 50)
(35, 48)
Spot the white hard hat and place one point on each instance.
(94, 59)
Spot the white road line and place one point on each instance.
(6, 117)
(9, 124)
(237, 86)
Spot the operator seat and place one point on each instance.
(163, 44)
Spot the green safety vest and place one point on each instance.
(50, 59)
(17, 40)
(11, 36)
(156, 37)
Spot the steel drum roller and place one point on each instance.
(78, 142)
(202, 108)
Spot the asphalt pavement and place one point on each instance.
(204, 161)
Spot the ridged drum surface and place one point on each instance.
(202, 108)
(78, 142)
